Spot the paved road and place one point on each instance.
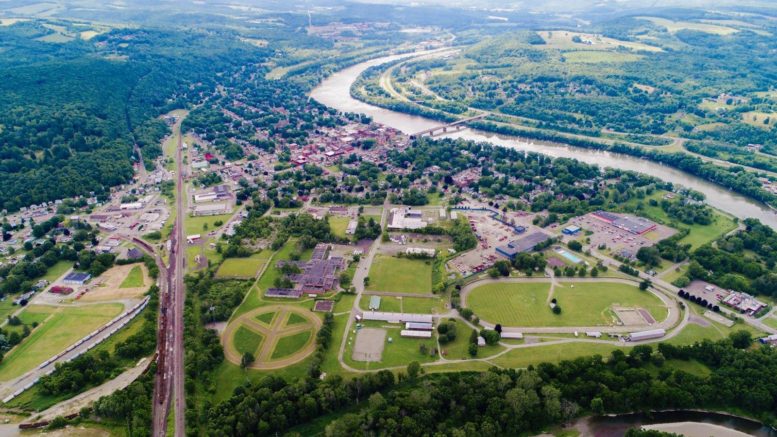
(75, 404)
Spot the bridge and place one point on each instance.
(450, 127)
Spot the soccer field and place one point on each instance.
(400, 275)
(582, 303)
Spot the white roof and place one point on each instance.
(396, 317)
(416, 334)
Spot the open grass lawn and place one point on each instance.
(295, 319)
(247, 340)
(339, 224)
(585, 304)
(458, 349)
(240, 267)
(701, 234)
(290, 344)
(64, 327)
(388, 304)
(134, 278)
(771, 322)
(523, 357)
(693, 333)
(398, 353)
(33, 399)
(419, 305)
(400, 275)
(596, 57)
(7, 307)
(345, 303)
(266, 318)
(197, 225)
(57, 270)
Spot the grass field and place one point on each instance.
(243, 267)
(676, 26)
(585, 304)
(205, 224)
(400, 275)
(295, 319)
(290, 344)
(771, 322)
(339, 224)
(247, 340)
(134, 278)
(596, 57)
(399, 352)
(418, 305)
(266, 318)
(60, 328)
(521, 358)
(57, 270)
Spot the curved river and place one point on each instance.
(335, 92)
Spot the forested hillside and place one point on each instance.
(70, 112)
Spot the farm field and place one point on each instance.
(60, 328)
(400, 275)
(582, 304)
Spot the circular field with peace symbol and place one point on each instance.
(276, 335)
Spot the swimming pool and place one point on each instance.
(570, 257)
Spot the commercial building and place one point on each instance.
(320, 274)
(419, 326)
(396, 317)
(210, 209)
(634, 225)
(743, 302)
(646, 335)
(415, 334)
(571, 230)
(405, 218)
(76, 278)
(522, 245)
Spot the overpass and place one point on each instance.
(450, 127)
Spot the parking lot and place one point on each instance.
(619, 241)
(491, 233)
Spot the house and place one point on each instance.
(571, 230)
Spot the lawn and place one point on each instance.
(771, 322)
(418, 305)
(523, 357)
(290, 344)
(134, 278)
(585, 304)
(400, 275)
(242, 267)
(701, 234)
(398, 353)
(246, 340)
(61, 328)
(204, 224)
(266, 318)
(339, 224)
(295, 319)
(54, 272)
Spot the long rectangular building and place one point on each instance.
(646, 335)
(397, 317)
(522, 245)
(415, 334)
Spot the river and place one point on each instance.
(335, 92)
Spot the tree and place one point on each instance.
(413, 370)
(649, 255)
(246, 360)
(741, 339)
(498, 328)
(556, 309)
(575, 245)
(645, 284)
